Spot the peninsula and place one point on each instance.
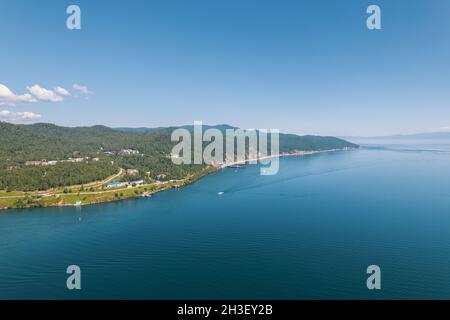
(44, 165)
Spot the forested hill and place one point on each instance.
(20, 143)
(43, 156)
(288, 142)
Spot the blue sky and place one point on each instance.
(299, 66)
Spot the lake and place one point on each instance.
(309, 232)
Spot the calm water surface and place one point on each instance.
(308, 232)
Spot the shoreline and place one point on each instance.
(283, 155)
(143, 190)
(133, 193)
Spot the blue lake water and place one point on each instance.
(309, 232)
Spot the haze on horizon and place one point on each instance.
(305, 67)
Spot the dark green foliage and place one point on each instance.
(61, 175)
(292, 142)
(150, 167)
(21, 143)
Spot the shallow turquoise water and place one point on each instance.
(309, 232)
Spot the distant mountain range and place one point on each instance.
(417, 136)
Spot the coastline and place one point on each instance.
(283, 155)
(144, 190)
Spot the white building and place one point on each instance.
(137, 183)
(128, 152)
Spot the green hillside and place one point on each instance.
(22, 143)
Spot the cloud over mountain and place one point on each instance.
(19, 116)
(35, 93)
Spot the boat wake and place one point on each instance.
(295, 177)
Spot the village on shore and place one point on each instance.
(115, 188)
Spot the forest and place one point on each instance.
(20, 144)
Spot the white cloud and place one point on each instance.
(43, 94)
(61, 91)
(36, 93)
(82, 89)
(8, 98)
(19, 116)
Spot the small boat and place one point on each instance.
(220, 193)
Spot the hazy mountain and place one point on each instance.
(417, 136)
